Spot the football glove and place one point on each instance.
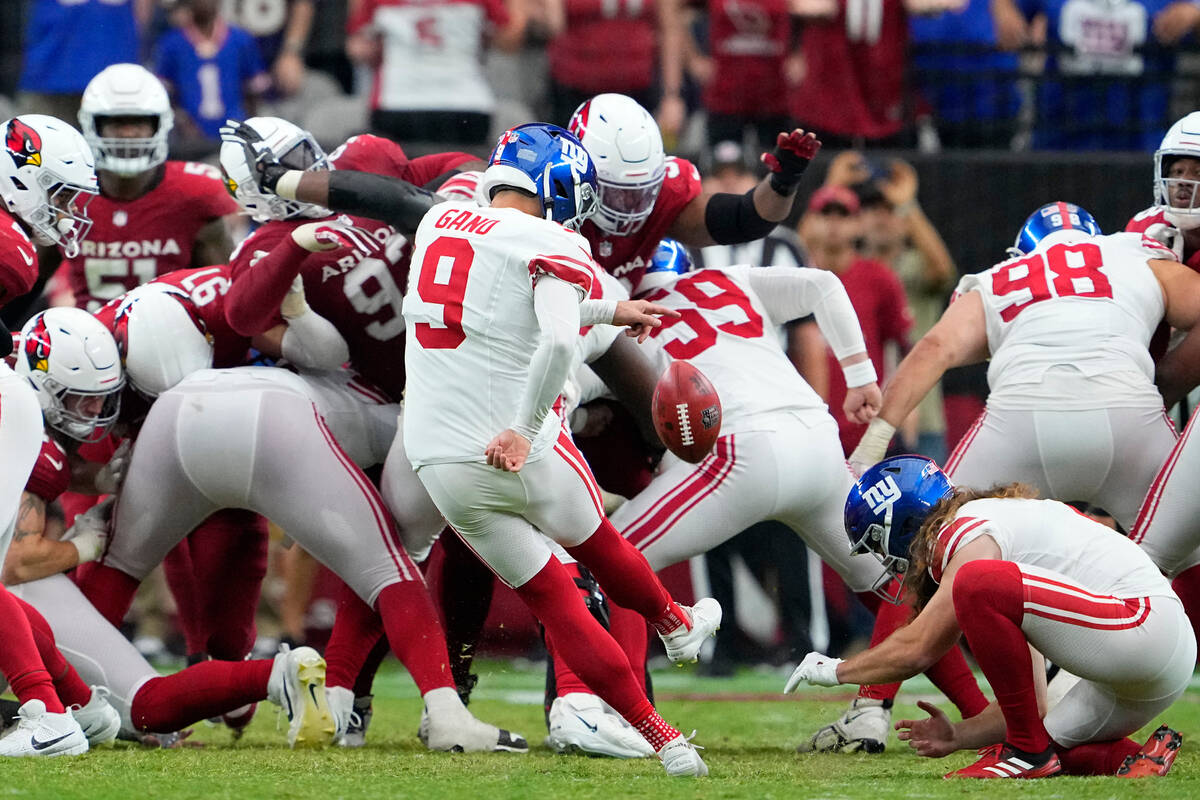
(792, 154)
(264, 164)
(817, 669)
(89, 533)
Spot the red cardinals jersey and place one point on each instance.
(626, 257)
(207, 287)
(18, 259)
(748, 40)
(878, 299)
(133, 241)
(607, 46)
(367, 153)
(359, 290)
(51, 473)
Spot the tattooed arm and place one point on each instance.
(31, 555)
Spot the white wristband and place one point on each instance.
(88, 545)
(288, 183)
(859, 374)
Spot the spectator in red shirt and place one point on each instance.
(829, 230)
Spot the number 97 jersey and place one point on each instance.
(1088, 302)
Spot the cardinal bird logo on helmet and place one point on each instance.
(37, 347)
(23, 143)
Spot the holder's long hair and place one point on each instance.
(918, 583)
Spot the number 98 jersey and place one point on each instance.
(1088, 302)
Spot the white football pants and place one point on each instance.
(21, 432)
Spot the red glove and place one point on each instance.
(791, 156)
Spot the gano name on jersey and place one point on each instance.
(1090, 303)
(133, 241)
(469, 306)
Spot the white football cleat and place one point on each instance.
(580, 724)
(454, 729)
(862, 728)
(297, 685)
(99, 720)
(681, 760)
(41, 733)
(684, 643)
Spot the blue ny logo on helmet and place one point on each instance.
(1057, 216)
(549, 163)
(886, 508)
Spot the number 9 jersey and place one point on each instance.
(1087, 302)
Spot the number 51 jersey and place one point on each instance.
(1087, 302)
(472, 327)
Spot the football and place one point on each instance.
(687, 412)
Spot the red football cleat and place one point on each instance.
(1004, 762)
(1156, 756)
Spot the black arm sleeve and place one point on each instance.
(391, 200)
(733, 219)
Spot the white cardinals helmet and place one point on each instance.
(71, 360)
(161, 337)
(47, 178)
(126, 90)
(296, 149)
(624, 141)
(1179, 198)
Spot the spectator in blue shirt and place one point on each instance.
(1108, 72)
(214, 70)
(67, 42)
(971, 84)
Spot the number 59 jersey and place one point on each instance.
(1086, 302)
(472, 327)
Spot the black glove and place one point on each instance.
(791, 156)
(264, 163)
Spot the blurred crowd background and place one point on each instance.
(945, 123)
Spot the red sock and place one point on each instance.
(626, 577)
(415, 634)
(565, 679)
(989, 606)
(1096, 758)
(1187, 586)
(653, 728)
(889, 618)
(357, 629)
(109, 590)
(181, 581)
(465, 589)
(582, 642)
(20, 661)
(69, 687)
(199, 692)
(229, 556)
(630, 631)
(954, 678)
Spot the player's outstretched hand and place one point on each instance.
(640, 316)
(507, 451)
(260, 160)
(862, 403)
(932, 737)
(817, 669)
(89, 532)
(791, 156)
(317, 237)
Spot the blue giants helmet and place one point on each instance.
(549, 163)
(669, 261)
(887, 506)
(1058, 216)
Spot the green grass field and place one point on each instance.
(749, 731)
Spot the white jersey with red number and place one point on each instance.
(726, 333)
(472, 327)
(1053, 536)
(1089, 303)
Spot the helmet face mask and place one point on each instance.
(71, 361)
(46, 177)
(125, 93)
(296, 149)
(624, 141)
(546, 162)
(1178, 197)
